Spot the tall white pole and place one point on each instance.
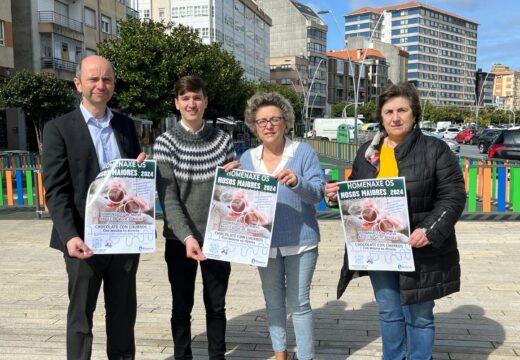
(351, 67)
(309, 93)
(304, 95)
(359, 79)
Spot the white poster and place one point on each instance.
(120, 213)
(374, 214)
(241, 217)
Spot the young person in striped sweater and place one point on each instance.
(187, 156)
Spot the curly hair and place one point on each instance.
(402, 89)
(268, 99)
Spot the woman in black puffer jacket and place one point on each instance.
(436, 199)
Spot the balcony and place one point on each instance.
(107, 37)
(61, 20)
(58, 64)
(132, 13)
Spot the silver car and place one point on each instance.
(454, 146)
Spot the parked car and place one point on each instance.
(486, 138)
(432, 132)
(454, 146)
(506, 145)
(467, 136)
(450, 133)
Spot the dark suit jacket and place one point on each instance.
(70, 164)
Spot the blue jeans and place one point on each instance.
(403, 327)
(289, 277)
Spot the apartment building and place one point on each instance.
(292, 71)
(396, 58)
(442, 47)
(52, 35)
(6, 59)
(298, 31)
(507, 87)
(239, 25)
(484, 84)
(369, 69)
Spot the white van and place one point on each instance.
(326, 128)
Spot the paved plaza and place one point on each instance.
(480, 322)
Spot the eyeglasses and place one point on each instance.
(275, 120)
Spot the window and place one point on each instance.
(2, 33)
(161, 13)
(105, 24)
(79, 52)
(205, 10)
(196, 10)
(205, 32)
(90, 18)
(175, 12)
(189, 11)
(146, 13)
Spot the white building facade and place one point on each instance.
(240, 26)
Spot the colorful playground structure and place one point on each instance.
(491, 186)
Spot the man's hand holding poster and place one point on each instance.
(120, 213)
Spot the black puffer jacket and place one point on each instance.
(436, 199)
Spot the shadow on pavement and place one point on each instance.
(341, 332)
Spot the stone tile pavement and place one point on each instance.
(480, 322)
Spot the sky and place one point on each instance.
(498, 31)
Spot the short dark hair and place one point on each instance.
(402, 89)
(189, 83)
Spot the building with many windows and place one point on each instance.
(442, 47)
(292, 71)
(239, 25)
(484, 84)
(298, 31)
(506, 87)
(53, 36)
(341, 76)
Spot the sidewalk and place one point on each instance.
(480, 322)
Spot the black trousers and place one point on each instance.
(117, 273)
(182, 272)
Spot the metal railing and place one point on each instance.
(107, 36)
(58, 64)
(492, 186)
(59, 19)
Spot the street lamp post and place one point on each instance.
(356, 86)
(306, 102)
(304, 95)
(356, 99)
(299, 99)
(514, 117)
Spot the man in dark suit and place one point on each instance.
(75, 147)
